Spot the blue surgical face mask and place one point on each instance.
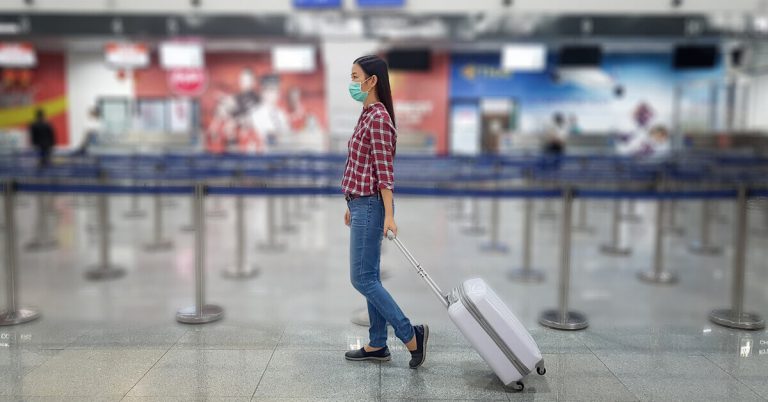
(356, 91)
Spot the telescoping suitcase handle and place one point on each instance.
(424, 275)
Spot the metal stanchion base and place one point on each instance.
(100, 272)
(161, 245)
(674, 230)
(240, 273)
(495, 248)
(190, 315)
(20, 316)
(726, 318)
(42, 244)
(610, 249)
(271, 247)
(573, 321)
(216, 213)
(704, 249)
(360, 317)
(526, 275)
(134, 214)
(663, 278)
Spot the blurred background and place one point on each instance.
(536, 142)
(467, 78)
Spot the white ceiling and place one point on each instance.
(412, 6)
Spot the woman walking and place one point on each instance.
(368, 184)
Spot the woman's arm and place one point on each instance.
(389, 215)
(383, 150)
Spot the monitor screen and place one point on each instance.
(690, 57)
(409, 59)
(580, 56)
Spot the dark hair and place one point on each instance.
(40, 114)
(375, 65)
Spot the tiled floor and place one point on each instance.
(285, 331)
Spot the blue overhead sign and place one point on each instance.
(380, 3)
(316, 3)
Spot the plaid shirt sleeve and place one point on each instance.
(383, 139)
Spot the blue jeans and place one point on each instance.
(367, 232)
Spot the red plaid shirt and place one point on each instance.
(370, 162)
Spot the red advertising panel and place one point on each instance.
(245, 106)
(24, 90)
(421, 104)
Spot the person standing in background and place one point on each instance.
(554, 144)
(42, 137)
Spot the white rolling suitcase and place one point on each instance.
(488, 324)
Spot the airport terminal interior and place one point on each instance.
(176, 175)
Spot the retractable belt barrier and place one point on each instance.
(490, 178)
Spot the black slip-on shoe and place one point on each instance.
(420, 354)
(381, 355)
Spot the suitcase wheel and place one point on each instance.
(541, 370)
(518, 386)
